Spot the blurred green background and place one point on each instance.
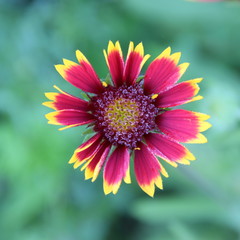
(41, 196)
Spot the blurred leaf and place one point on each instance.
(170, 209)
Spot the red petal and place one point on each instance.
(182, 125)
(115, 62)
(115, 169)
(168, 149)
(179, 94)
(163, 72)
(134, 63)
(64, 100)
(69, 117)
(81, 76)
(86, 153)
(95, 164)
(147, 169)
(89, 142)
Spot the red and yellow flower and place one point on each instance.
(131, 116)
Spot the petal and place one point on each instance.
(134, 62)
(147, 169)
(163, 72)
(89, 142)
(183, 125)
(69, 117)
(64, 100)
(95, 164)
(115, 62)
(179, 94)
(116, 169)
(168, 149)
(81, 76)
(88, 151)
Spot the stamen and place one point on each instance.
(104, 84)
(154, 96)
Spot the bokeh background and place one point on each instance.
(41, 196)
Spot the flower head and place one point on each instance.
(131, 116)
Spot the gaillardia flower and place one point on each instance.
(130, 116)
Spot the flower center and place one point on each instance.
(124, 114)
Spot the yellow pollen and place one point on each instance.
(122, 115)
(154, 96)
(104, 84)
(137, 148)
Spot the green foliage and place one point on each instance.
(41, 196)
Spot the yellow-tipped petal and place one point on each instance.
(175, 57)
(116, 187)
(166, 53)
(51, 95)
(69, 126)
(77, 164)
(106, 57)
(51, 117)
(196, 98)
(202, 116)
(110, 47)
(61, 69)
(200, 139)
(127, 178)
(148, 189)
(60, 90)
(106, 188)
(49, 104)
(110, 188)
(80, 57)
(69, 63)
(163, 171)
(130, 48)
(86, 163)
(189, 155)
(195, 80)
(96, 172)
(88, 173)
(183, 67)
(73, 159)
(173, 164)
(118, 47)
(87, 144)
(159, 183)
(139, 49)
(145, 58)
(204, 126)
(184, 161)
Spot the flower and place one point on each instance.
(130, 116)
